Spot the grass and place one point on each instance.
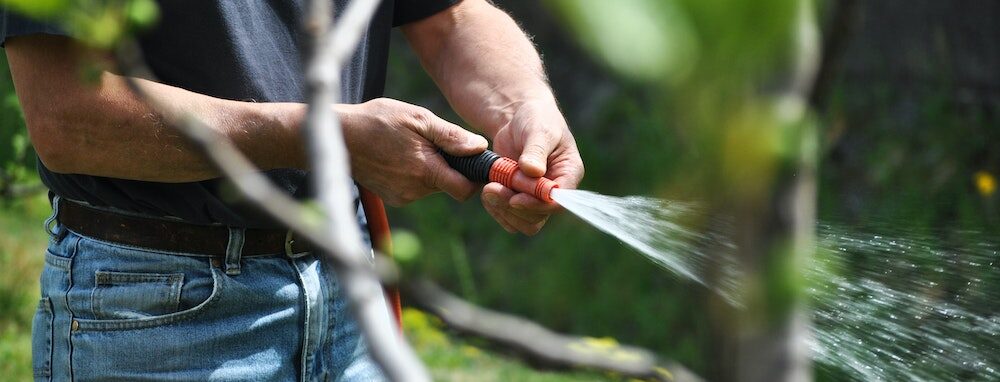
(22, 243)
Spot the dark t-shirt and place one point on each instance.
(247, 50)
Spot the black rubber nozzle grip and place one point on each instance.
(475, 167)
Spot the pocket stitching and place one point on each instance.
(148, 322)
(46, 369)
(111, 278)
(57, 261)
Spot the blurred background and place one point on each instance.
(906, 117)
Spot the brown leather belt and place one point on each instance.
(173, 236)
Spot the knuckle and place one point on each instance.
(422, 117)
(381, 104)
(428, 178)
(452, 135)
(536, 148)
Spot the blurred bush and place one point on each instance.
(17, 158)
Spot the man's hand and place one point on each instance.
(394, 150)
(538, 137)
(493, 77)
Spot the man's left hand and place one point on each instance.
(537, 135)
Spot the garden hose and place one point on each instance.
(488, 166)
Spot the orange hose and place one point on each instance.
(378, 229)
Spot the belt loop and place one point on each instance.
(234, 250)
(51, 222)
(289, 241)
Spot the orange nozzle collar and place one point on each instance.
(506, 172)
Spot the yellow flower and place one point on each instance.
(985, 183)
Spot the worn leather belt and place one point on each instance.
(173, 236)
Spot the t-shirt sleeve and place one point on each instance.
(13, 24)
(408, 11)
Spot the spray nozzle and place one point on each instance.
(488, 166)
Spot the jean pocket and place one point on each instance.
(127, 295)
(132, 313)
(41, 341)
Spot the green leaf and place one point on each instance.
(405, 245)
(643, 39)
(142, 13)
(38, 8)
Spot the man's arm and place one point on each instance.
(493, 77)
(103, 129)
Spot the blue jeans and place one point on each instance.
(111, 312)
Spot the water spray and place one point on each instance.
(649, 225)
(489, 166)
(870, 322)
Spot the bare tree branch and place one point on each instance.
(331, 47)
(539, 345)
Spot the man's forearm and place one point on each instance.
(102, 128)
(482, 61)
(108, 131)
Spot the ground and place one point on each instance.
(22, 242)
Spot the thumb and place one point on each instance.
(535, 155)
(453, 139)
(444, 178)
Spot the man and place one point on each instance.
(155, 271)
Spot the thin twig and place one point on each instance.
(539, 345)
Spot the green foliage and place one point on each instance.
(17, 158)
(405, 246)
(38, 8)
(644, 39)
(99, 23)
(451, 359)
(22, 243)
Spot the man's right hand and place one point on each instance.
(394, 146)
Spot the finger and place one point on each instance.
(571, 172)
(491, 207)
(442, 177)
(527, 216)
(497, 196)
(452, 138)
(528, 204)
(496, 199)
(527, 227)
(535, 154)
